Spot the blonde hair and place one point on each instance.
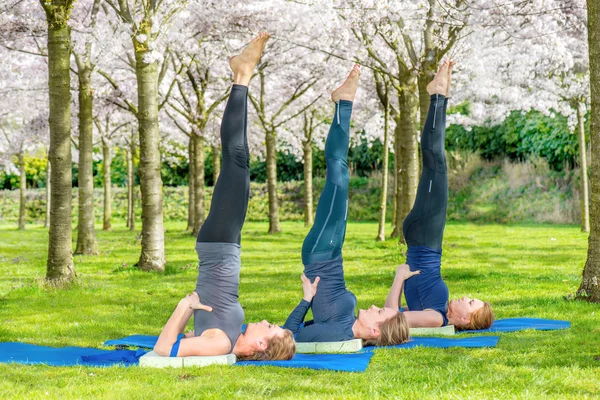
(278, 348)
(480, 319)
(392, 331)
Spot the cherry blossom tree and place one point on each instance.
(23, 120)
(147, 24)
(533, 57)
(299, 135)
(590, 284)
(381, 36)
(313, 121)
(111, 125)
(130, 143)
(85, 15)
(275, 108)
(20, 136)
(60, 267)
(407, 51)
(383, 87)
(201, 88)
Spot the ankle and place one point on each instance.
(242, 79)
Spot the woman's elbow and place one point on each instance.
(162, 350)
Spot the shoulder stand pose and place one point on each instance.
(333, 305)
(218, 319)
(426, 293)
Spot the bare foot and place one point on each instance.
(348, 89)
(243, 64)
(439, 84)
(451, 65)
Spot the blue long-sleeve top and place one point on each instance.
(426, 291)
(333, 306)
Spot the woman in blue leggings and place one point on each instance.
(333, 305)
(427, 294)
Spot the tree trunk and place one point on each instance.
(585, 202)
(127, 162)
(409, 171)
(131, 185)
(130, 205)
(107, 160)
(22, 188)
(191, 180)
(198, 183)
(308, 178)
(397, 217)
(86, 234)
(394, 200)
(152, 256)
(427, 75)
(272, 183)
(216, 158)
(48, 184)
(590, 284)
(424, 99)
(384, 175)
(59, 268)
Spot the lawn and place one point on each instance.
(524, 271)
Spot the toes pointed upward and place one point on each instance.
(348, 89)
(444, 67)
(451, 65)
(243, 64)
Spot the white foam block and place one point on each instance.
(348, 346)
(447, 330)
(153, 360)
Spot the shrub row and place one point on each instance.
(480, 190)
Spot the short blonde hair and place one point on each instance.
(392, 331)
(278, 348)
(480, 319)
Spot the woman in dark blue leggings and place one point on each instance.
(333, 305)
(426, 293)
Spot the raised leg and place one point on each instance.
(326, 237)
(424, 225)
(230, 198)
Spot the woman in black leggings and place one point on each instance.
(218, 319)
(426, 293)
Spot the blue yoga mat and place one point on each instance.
(521, 324)
(144, 341)
(355, 362)
(441, 343)
(24, 353)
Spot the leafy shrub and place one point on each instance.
(521, 137)
(479, 190)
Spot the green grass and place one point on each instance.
(524, 271)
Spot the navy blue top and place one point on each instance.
(333, 306)
(426, 291)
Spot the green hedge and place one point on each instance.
(479, 191)
(521, 137)
(363, 203)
